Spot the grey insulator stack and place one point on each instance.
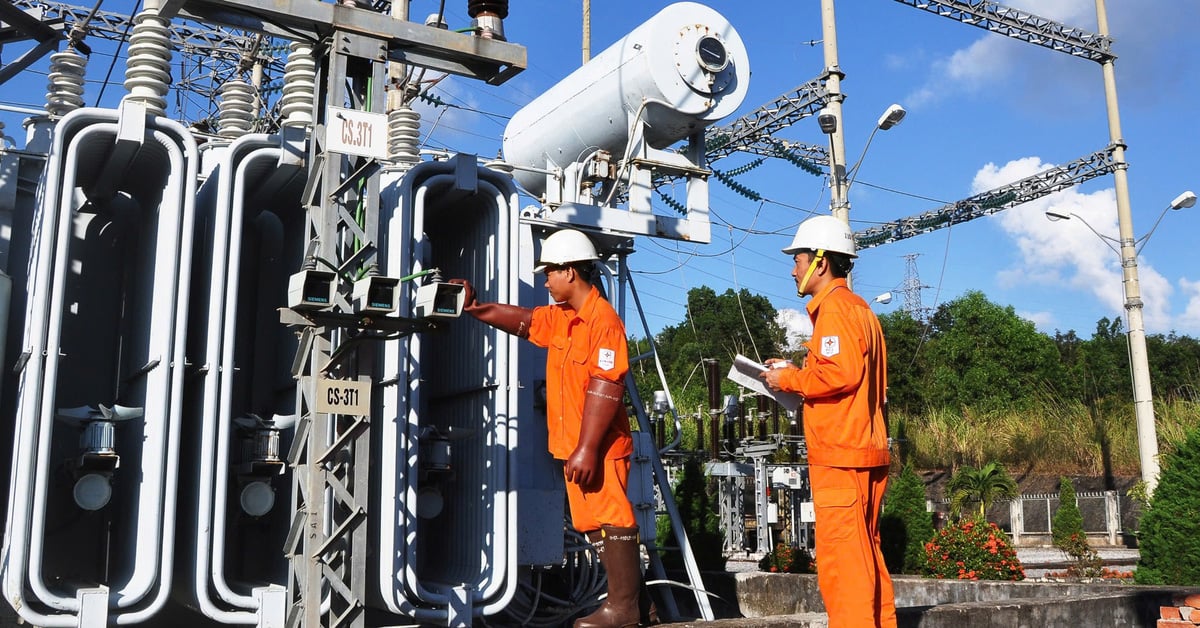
(299, 85)
(148, 71)
(65, 88)
(236, 117)
(404, 130)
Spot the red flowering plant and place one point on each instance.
(971, 550)
(787, 559)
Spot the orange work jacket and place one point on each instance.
(580, 345)
(843, 381)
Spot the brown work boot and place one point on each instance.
(623, 563)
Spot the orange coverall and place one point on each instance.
(844, 382)
(580, 345)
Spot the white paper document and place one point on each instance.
(744, 372)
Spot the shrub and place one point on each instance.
(1086, 562)
(983, 485)
(1068, 522)
(1169, 535)
(972, 550)
(787, 559)
(905, 525)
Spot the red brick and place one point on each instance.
(1173, 623)
(1169, 612)
(1192, 600)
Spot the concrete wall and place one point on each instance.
(931, 603)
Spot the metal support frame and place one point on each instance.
(47, 34)
(1046, 182)
(754, 131)
(329, 545)
(1018, 24)
(490, 60)
(761, 481)
(732, 521)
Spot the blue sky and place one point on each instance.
(983, 111)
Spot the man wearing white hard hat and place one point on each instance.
(586, 362)
(844, 385)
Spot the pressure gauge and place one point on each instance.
(704, 60)
(711, 54)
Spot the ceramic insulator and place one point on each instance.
(148, 71)
(236, 109)
(65, 89)
(404, 129)
(299, 85)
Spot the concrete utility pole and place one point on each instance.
(1139, 365)
(838, 203)
(587, 30)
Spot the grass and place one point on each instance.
(1059, 438)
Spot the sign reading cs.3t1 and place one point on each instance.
(343, 396)
(356, 132)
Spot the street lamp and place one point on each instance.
(890, 118)
(842, 178)
(1183, 201)
(1139, 365)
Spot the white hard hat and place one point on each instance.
(564, 247)
(823, 232)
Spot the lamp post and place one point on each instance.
(838, 202)
(1139, 365)
(840, 177)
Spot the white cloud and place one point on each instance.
(1144, 33)
(1189, 321)
(1068, 251)
(986, 61)
(796, 324)
(1041, 320)
(1076, 12)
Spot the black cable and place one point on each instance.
(117, 53)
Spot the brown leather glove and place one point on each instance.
(507, 318)
(600, 406)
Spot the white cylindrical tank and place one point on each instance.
(681, 70)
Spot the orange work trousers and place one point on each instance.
(605, 503)
(851, 574)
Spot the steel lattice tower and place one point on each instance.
(912, 289)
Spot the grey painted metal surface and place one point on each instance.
(245, 394)
(105, 341)
(660, 73)
(448, 463)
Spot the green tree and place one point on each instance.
(1174, 366)
(983, 355)
(1169, 536)
(905, 525)
(906, 366)
(983, 485)
(1067, 519)
(716, 327)
(1100, 366)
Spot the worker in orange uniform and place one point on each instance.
(844, 385)
(586, 362)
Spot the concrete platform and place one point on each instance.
(769, 600)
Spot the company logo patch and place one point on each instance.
(830, 346)
(606, 359)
